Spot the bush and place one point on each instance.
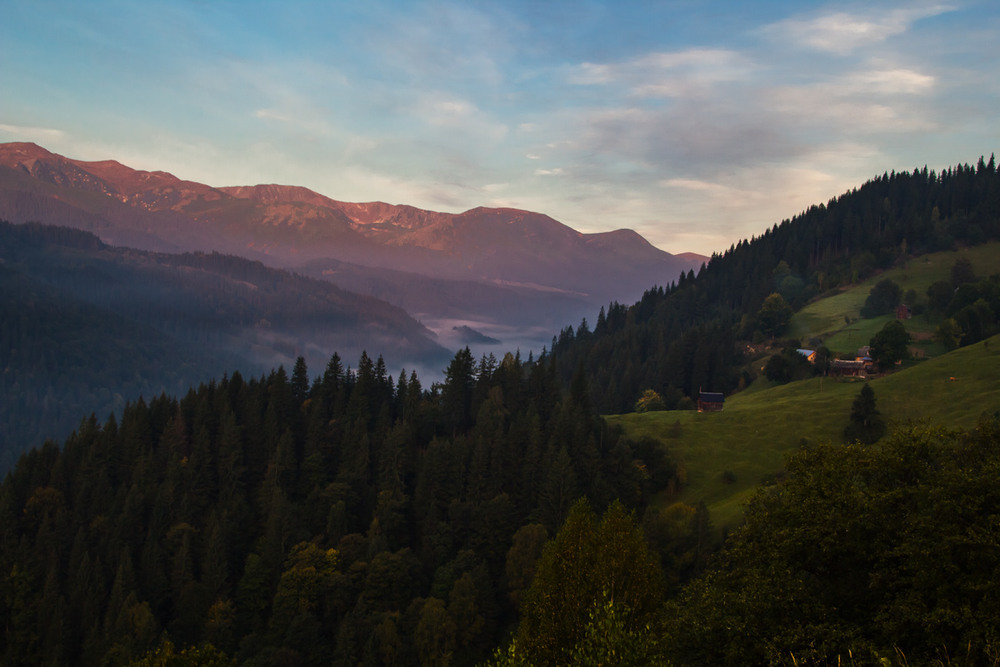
(650, 401)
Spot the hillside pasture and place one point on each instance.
(836, 319)
(727, 455)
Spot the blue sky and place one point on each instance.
(697, 123)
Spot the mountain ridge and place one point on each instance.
(290, 224)
(500, 256)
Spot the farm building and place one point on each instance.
(710, 401)
(848, 367)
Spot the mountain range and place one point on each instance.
(517, 274)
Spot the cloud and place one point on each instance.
(291, 97)
(843, 32)
(456, 121)
(689, 115)
(865, 101)
(711, 214)
(428, 190)
(440, 42)
(663, 112)
(436, 109)
(666, 74)
(695, 185)
(272, 114)
(889, 81)
(31, 133)
(687, 137)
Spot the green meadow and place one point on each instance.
(835, 319)
(726, 455)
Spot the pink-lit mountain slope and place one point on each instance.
(500, 245)
(293, 227)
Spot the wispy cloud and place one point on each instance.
(32, 133)
(898, 80)
(440, 42)
(864, 101)
(843, 32)
(695, 185)
(273, 114)
(666, 74)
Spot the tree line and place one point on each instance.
(347, 518)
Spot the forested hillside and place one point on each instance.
(85, 327)
(295, 521)
(692, 334)
(214, 299)
(61, 360)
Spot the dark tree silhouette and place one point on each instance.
(866, 424)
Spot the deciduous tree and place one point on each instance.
(882, 299)
(588, 564)
(774, 314)
(890, 345)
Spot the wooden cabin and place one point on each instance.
(848, 367)
(710, 401)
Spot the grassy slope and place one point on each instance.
(824, 319)
(759, 427)
(755, 432)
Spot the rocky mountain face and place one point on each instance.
(498, 255)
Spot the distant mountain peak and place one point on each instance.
(11, 152)
(273, 193)
(693, 257)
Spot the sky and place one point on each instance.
(697, 123)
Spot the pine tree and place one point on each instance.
(866, 424)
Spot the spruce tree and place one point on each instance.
(866, 424)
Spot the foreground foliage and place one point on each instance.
(595, 591)
(861, 551)
(594, 598)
